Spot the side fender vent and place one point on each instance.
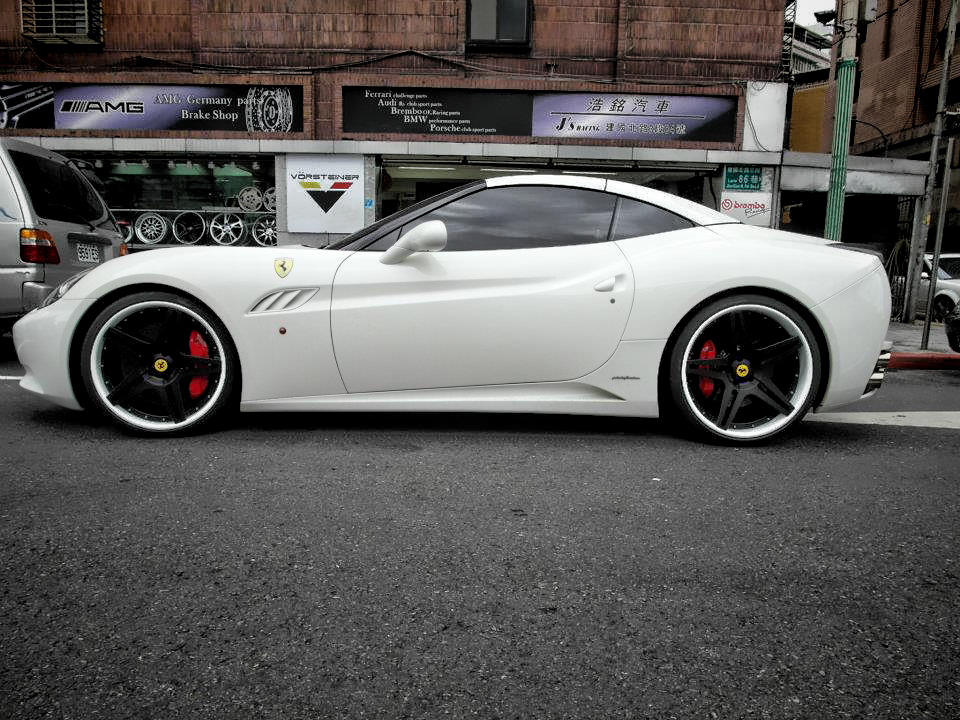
(283, 300)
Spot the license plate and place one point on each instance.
(87, 253)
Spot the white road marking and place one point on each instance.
(949, 419)
(11, 377)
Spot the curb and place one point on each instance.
(924, 361)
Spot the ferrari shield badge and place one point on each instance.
(283, 266)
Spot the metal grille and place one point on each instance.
(899, 255)
(63, 22)
(786, 48)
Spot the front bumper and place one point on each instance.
(42, 340)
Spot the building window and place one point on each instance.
(498, 24)
(62, 22)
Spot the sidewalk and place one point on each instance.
(906, 337)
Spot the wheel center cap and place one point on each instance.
(161, 365)
(742, 369)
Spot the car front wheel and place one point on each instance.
(744, 369)
(158, 363)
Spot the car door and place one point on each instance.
(527, 289)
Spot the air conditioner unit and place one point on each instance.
(62, 22)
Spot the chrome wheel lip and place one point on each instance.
(804, 379)
(132, 418)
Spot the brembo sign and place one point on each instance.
(750, 208)
(63, 106)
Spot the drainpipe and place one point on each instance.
(918, 242)
(842, 118)
(938, 242)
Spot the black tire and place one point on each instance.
(744, 369)
(942, 306)
(156, 363)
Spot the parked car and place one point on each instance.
(53, 223)
(947, 291)
(551, 294)
(952, 326)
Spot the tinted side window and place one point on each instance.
(637, 218)
(57, 191)
(525, 216)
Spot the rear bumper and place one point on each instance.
(34, 293)
(879, 371)
(855, 322)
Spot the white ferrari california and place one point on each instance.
(533, 294)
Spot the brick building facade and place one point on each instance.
(418, 94)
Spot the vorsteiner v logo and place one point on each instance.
(325, 198)
(102, 106)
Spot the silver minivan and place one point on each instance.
(53, 224)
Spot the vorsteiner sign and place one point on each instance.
(62, 106)
(324, 193)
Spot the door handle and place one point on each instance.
(606, 285)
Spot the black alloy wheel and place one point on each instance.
(744, 369)
(157, 363)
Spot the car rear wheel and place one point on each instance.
(942, 306)
(157, 363)
(744, 369)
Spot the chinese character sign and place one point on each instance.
(615, 116)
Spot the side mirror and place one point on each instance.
(430, 236)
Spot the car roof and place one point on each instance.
(697, 213)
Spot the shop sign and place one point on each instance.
(607, 116)
(325, 193)
(750, 208)
(744, 178)
(68, 106)
(435, 111)
(618, 116)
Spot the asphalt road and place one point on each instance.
(391, 566)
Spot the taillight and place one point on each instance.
(38, 246)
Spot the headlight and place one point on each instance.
(62, 289)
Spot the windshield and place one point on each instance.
(363, 232)
(949, 268)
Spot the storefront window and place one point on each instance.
(221, 200)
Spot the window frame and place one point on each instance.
(84, 17)
(496, 45)
(364, 239)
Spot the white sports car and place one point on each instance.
(541, 294)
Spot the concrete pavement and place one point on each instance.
(907, 355)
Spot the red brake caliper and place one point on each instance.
(709, 350)
(198, 348)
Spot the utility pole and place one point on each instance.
(842, 117)
(918, 242)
